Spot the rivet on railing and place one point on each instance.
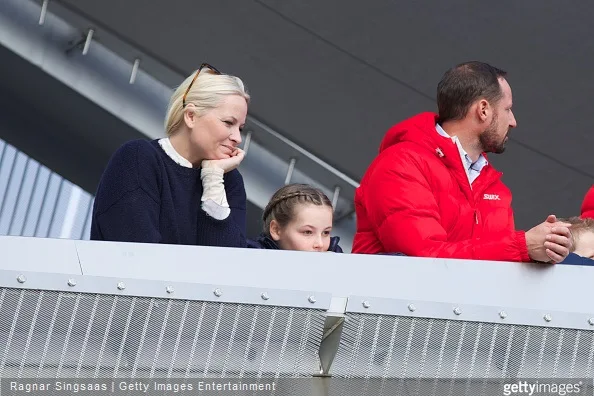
(21, 278)
(265, 296)
(502, 314)
(366, 304)
(217, 292)
(71, 282)
(547, 318)
(591, 321)
(412, 308)
(457, 311)
(312, 299)
(169, 289)
(43, 12)
(121, 285)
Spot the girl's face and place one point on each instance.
(308, 231)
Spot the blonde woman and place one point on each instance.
(184, 188)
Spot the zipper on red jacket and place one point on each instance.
(476, 216)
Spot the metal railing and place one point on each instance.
(357, 324)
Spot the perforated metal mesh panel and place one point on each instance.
(56, 334)
(379, 346)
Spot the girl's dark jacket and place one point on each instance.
(265, 242)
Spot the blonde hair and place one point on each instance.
(283, 203)
(206, 93)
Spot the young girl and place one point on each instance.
(298, 217)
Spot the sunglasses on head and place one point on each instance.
(202, 66)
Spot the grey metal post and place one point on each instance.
(246, 143)
(88, 41)
(290, 171)
(335, 197)
(134, 70)
(43, 12)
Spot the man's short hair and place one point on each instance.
(579, 225)
(464, 84)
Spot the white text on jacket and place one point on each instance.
(492, 197)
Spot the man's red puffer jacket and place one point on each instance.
(415, 198)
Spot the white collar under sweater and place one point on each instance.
(166, 145)
(214, 197)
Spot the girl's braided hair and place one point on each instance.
(283, 203)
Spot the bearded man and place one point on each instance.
(431, 191)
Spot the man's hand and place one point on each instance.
(549, 241)
(227, 164)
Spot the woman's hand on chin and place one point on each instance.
(227, 164)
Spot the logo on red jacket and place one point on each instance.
(492, 197)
